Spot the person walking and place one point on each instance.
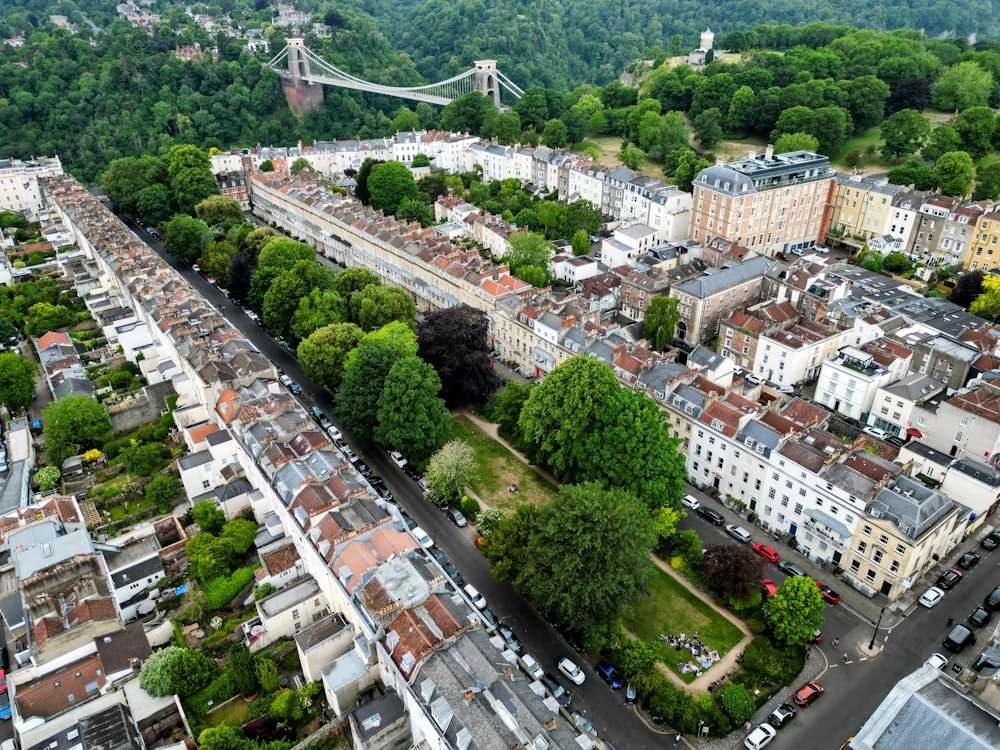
(843, 659)
(950, 623)
(836, 642)
(677, 739)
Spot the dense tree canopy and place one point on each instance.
(323, 353)
(17, 381)
(74, 424)
(411, 416)
(796, 611)
(454, 342)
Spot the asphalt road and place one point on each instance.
(853, 690)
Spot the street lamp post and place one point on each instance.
(871, 645)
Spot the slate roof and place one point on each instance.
(119, 651)
(717, 280)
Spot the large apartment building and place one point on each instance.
(19, 190)
(774, 203)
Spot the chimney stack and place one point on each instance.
(769, 152)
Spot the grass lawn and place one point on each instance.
(605, 148)
(670, 608)
(498, 467)
(232, 712)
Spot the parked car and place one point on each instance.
(332, 431)
(936, 660)
(690, 502)
(453, 573)
(829, 595)
(284, 380)
(4, 707)
(631, 693)
(573, 673)
(931, 597)
(363, 468)
(583, 723)
(760, 737)
(751, 378)
(782, 715)
(457, 518)
(817, 636)
(561, 694)
(422, 537)
(768, 585)
(768, 553)
(316, 411)
(950, 578)
(490, 620)
(875, 432)
(783, 256)
(790, 568)
(712, 516)
(992, 600)
(475, 597)
(398, 458)
(325, 423)
(738, 533)
(3, 677)
(531, 666)
(969, 560)
(958, 638)
(991, 541)
(294, 388)
(609, 674)
(411, 472)
(980, 617)
(808, 693)
(512, 641)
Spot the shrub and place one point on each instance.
(773, 666)
(221, 591)
(190, 671)
(156, 677)
(470, 507)
(738, 703)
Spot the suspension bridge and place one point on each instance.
(300, 67)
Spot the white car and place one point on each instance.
(473, 593)
(285, 380)
(333, 431)
(760, 737)
(572, 672)
(422, 537)
(751, 378)
(875, 432)
(690, 502)
(821, 249)
(931, 597)
(938, 661)
(398, 458)
(532, 667)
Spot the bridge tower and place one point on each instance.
(487, 82)
(302, 96)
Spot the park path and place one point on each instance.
(490, 428)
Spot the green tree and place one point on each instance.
(987, 304)
(739, 119)
(222, 737)
(267, 674)
(987, 182)
(282, 253)
(630, 447)
(285, 707)
(219, 211)
(588, 557)
(962, 86)
(529, 250)
(44, 317)
(48, 478)
(389, 184)
(323, 354)
(734, 570)
(17, 381)
(468, 114)
(866, 97)
(405, 120)
(254, 242)
(507, 405)
(186, 237)
(163, 489)
(561, 413)
(451, 469)
(244, 670)
(239, 533)
(555, 134)
(302, 164)
(141, 459)
(688, 165)
(904, 133)
(954, 171)
(287, 292)
(660, 322)
(944, 138)
(708, 127)
(154, 205)
(208, 516)
(913, 172)
(506, 545)
(74, 424)
(190, 671)
(897, 263)
(319, 308)
(126, 178)
(580, 243)
(380, 305)
(975, 127)
(209, 557)
(155, 676)
(365, 373)
(795, 612)
(788, 142)
(190, 174)
(508, 127)
(217, 259)
(630, 155)
(411, 416)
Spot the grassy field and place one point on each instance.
(671, 609)
(498, 468)
(605, 148)
(233, 711)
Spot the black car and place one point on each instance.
(561, 694)
(991, 541)
(781, 715)
(790, 568)
(453, 574)
(980, 617)
(969, 561)
(363, 468)
(712, 516)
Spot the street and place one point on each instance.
(853, 689)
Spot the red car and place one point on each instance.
(768, 585)
(766, 552)
(829, 595)
(808, 693)
(479, 540)
(411, 472)
(949, 578)
(3, 681)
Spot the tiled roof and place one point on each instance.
(280, 560)
(61, 690)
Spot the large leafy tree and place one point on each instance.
(323, 354)
(962, 86)
(660, 322)
(189, 171)
(866, 97)
(74, 424)
(987, 182)
(286, 293)
(630, 447)
(364, 378)
(209, 557)
(454, 342)
(217, 259)
(732, 569)
(588, 557)
(352, 281)
(987, 304)
(451, 469)
(208, 516)
(788, 142)
(283, 253)
(44, 316)
(127, 177)
(944, 138)
(389, 184)
(321, 307)
(469, 114)
(529, 257)
(975, 127)
(411, 415)
(186, 237)
(561, 413)
(155, 677)
(17, 381)
(904, 132)
(241, 270)
(506, 544)
(254, 242)
(190, 671)
(795, 612)
(954, 171)
(914, 172)
(380, 305)
(219, 211)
